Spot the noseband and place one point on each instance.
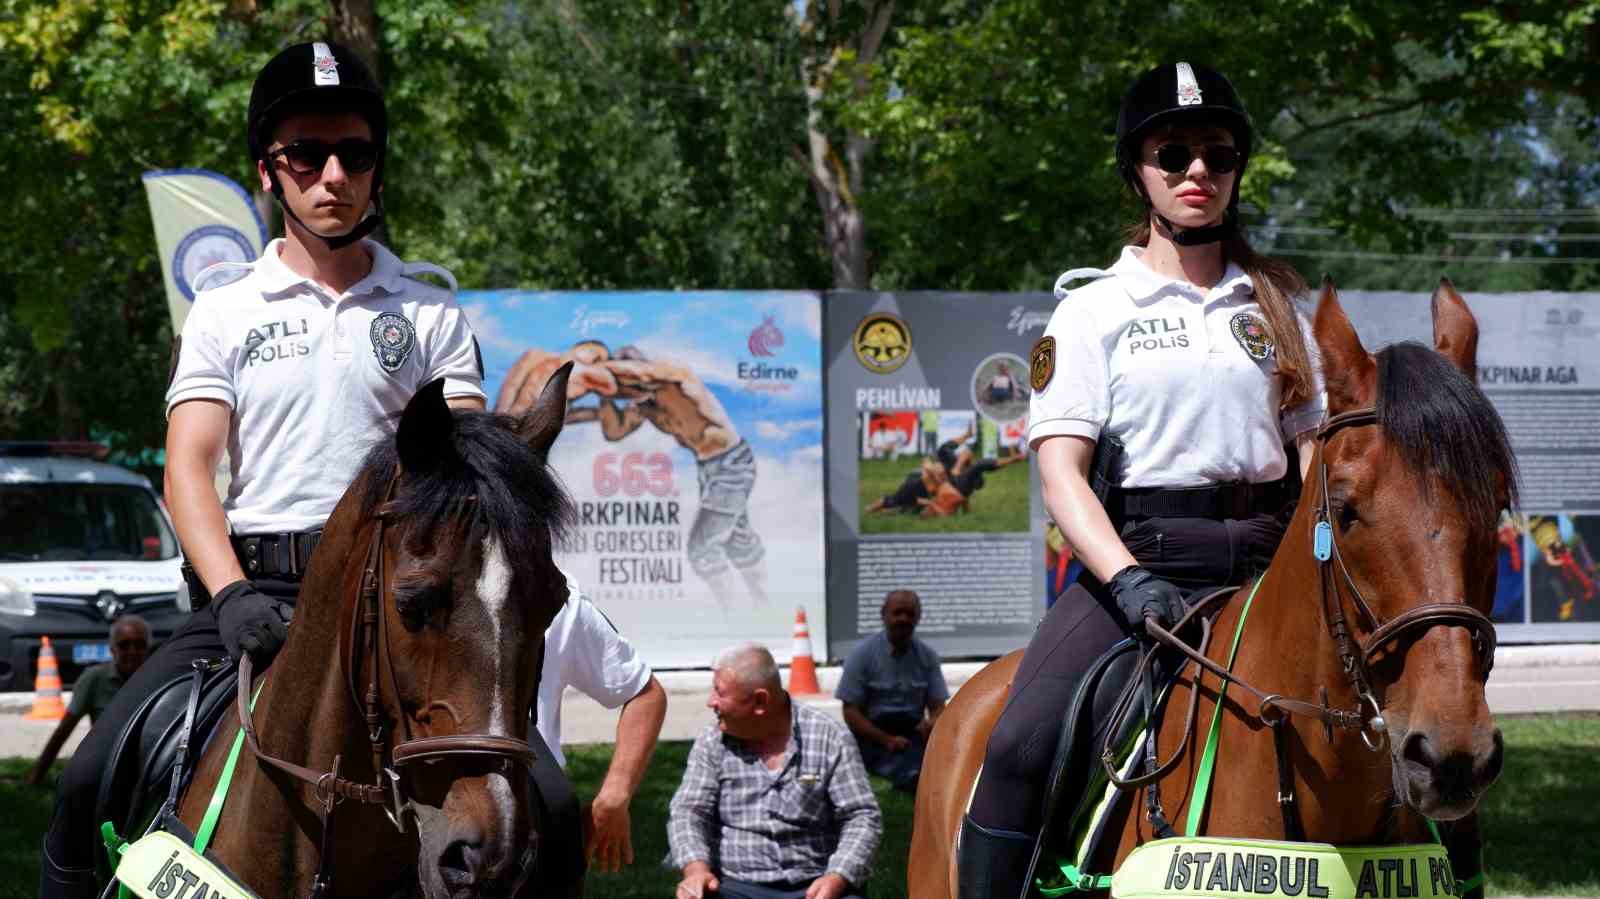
(1357, 656)
(370, 640)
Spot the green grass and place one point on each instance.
(1542, 827)
(1000, 507)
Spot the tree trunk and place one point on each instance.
(69, 414)
(355, 24)
(838, 180)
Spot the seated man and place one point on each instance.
(130, 644)
(774, 803)
(893, 691)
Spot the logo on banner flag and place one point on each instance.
(882, 342)
(204, 247)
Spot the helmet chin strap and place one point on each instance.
(1194, 237)
(338, 241)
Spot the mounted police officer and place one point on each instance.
(295, 364)
(1202, 474)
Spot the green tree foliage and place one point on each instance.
(577, 144)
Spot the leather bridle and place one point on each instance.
(369, 640)
(1355, 656)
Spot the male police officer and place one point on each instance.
(297, 363)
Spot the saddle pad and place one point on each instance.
(1221, 868)
(161, 866)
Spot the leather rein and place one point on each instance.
(1355, 656)
(370, 640)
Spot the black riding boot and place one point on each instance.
(64, 883)
(1464, 845)
(991, 864)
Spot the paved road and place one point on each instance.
(1526, 679)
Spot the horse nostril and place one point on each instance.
(461, 861)
(1419, 751)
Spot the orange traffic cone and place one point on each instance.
(47, 704)
(802, 667)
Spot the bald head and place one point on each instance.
(130, 643)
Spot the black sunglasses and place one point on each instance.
(1220, 159)
(308, 157)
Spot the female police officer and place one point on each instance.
(1189, 353)
(298, 362)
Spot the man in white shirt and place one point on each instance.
(583, 650)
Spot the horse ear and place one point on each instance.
(1455, 330)
(542, 423)
(1348, 371)
(427, 429)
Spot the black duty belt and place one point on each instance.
(1233, 500)
(275, 555)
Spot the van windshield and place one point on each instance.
(75, 522)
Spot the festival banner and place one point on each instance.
(1539, 363)
(930, 487)
(692, 449)
(200, 218)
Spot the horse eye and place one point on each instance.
(416, 603)
(1346, 513)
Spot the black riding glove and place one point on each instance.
(1137, 591)
(251, 622)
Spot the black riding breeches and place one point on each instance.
(1194, 554)
(73, 832)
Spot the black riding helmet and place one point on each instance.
(318, 77)
(1183, 93)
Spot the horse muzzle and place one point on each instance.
(1445, 783)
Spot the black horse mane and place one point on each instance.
(516, 497)
(1445, 429)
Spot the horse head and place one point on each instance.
(1412, 504)
(467, 586)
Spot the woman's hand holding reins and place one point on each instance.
(1138, 593)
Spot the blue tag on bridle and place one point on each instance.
(1322, 541)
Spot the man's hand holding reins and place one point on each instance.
(1138, 592)
(251, 622)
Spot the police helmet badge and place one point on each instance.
(1042, 363)
(392, 339)
(1252, 334)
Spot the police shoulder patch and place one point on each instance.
(393, 337)
(1042, 363)
(1252, 334)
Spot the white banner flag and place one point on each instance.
(201, 218)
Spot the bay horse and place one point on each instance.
(1411, 471)
(389, 736)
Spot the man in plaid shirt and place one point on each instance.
(775, 802)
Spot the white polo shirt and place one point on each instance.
(314, 380)
(583, 650)
(1172, 370)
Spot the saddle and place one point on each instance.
(1109, 697)
(156, 752)
(1075, 767)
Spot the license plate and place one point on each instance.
(87, 653)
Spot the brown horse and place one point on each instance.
(1411, 472)
(423, 614)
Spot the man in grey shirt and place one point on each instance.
(774, 803)
(893, 691)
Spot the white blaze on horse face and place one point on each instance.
(494, 591)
